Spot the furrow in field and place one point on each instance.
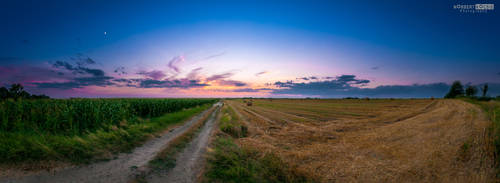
(435, 141)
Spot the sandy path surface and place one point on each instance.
(121, 169)
(190, 161)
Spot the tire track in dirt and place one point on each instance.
(190, 161)
(121, 169)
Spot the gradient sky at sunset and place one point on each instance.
(246, 48)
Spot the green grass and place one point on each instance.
(35, 145)
(230, 124)
(166, 159)
(492, 109)
(229, 162)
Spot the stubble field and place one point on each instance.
(378, 140)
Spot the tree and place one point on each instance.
(4, 93)
(485, 89)
(16, 91)
(456, 90)
(470, 91)
(42, 96)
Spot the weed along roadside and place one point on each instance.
(182, 159)
(120, 168)
(230, 161)
(492, 110)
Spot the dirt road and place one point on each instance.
(121, 169)
(190, 161)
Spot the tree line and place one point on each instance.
(457, 90)
(16, 91)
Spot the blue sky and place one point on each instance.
(389, 43)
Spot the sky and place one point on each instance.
(327, 49)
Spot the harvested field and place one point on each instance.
(372, 140)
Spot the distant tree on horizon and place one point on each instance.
(485, 89)
(16, 91)
(4, 93)
(456, 89)
(470, 91)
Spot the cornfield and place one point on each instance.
(77, 116)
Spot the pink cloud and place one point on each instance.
(173, 63)
(155, 74)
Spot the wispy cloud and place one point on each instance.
(214, 56)
(222, 80)
(219, 76)
(230, 83)
(261, 73)
(174, 62)
(120, 70)
(78, 82)
(77, 69)
(82, 60)
(26, 74)
(252, 90)
(307, 78)
(155, 74)
(194, 73)
(79, 75)
(176, 83)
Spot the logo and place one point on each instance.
(474, 8)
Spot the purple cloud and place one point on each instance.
(28, 74)
(213, 56)
(219, 76)
(173, 63)
(260, 73)
(231, 83)
(194, 73)
(309, 78)
(155, 74)
(78, 82)
(120, 70)
(77, 69)
(166, 83)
